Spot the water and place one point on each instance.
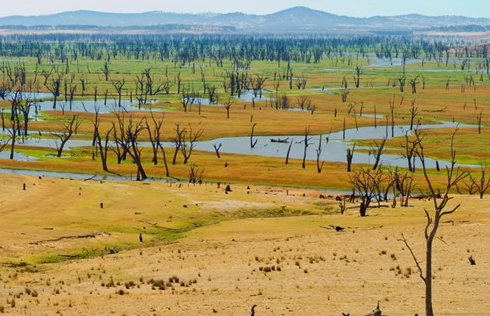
(92, 106)
(384, 62)
(30, 95)
(333, 145)
(333, 149)
(249, 96)
(68, 175)
(17, 156)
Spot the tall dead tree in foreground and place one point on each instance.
(441, 208)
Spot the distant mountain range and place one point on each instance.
(297, 19)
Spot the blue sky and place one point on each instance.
(358, 8)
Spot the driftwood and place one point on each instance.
(279, 140)
(376, 312)
(92, 235)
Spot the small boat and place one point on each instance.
(279, 140)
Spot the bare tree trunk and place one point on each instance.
(454, 175)
(306, 144)
(319, 166)
(350, 155)
(429, 311)
(252, 142)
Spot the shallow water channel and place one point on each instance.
(334, 145)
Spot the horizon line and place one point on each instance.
(237, 12)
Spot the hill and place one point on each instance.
(296, 19)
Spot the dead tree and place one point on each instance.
(478, 121)
(289, 151)
(24, 108)
(83, 82)
(103, 144)
(3, 144)
(365, 183)
(357, 77)
(319, 166)
(227, 106)
(413, 113)
(301, 83)
(384, 187)
(217, 149)
(167, 85)
(54, 88)
(306, 143)
(482, 183)
(195, 174)
(177, 140)
(155, 136)
(129, 142)
(13, 138)
(178, 78)
(344, 83)
(350, 155)
(15, 104)
(119, 133)
(401, 83)
(404, 185)
(413, 84)
(188, 142)
(212, 94)
(344, 95)
(377, 150)
(392, 116)
(119, 85)
(252, 141)
(258, 84)
(97, 141)
(72, 90)
(303, 102)
(69, 128)
(141, 89)
(188, 99)
(440, 203)
(105, 70)
(409, 147)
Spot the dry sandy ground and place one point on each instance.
(286, 265)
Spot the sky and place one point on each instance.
(356, 8)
